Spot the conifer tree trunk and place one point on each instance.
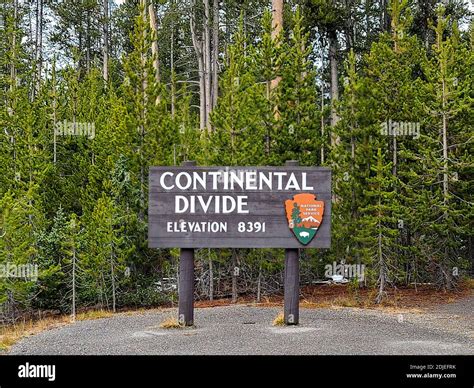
(154, 48)
(55, 138)
(112, 274)
(215, 53)
(322, 122)
(143, 4)
(39, 42)
(199, 48)
(277, 25)
(380, 257)
(13, 48)
(333, 63)
(234, 276)
(74, 284)
(211, 276)
(88, 40)
(105, 43)
(446, 270)
(173, 78)
(207, 62)
(381, 264)
(259, 284)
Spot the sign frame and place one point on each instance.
(265, 206)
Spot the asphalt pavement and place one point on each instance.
(245, 330)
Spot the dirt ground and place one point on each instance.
(333, 295)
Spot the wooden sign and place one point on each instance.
(239, 207)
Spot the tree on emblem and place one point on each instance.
(295, 215)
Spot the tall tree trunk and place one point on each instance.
(74, 284)
(53, 80)
(277, 25)
(215, 53)
(234, 276)
(380, 258)
(334, 82)
(13, 81)
(268, 89)
(173, 75)
(349, 25)
(105, 47)
(202, 95)
(322, 123)
(80, 61)
(446, 269)
(445, 146)
(13, 52)
(39, 43)
(384, 16)
(154, 48)
(112, 274)
(207, 61)
(88, 41)
(277, 17)
(394, 156)
(259, 284)
(141, 214)
(211, 276)
(198, 48)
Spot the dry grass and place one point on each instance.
(11, 334)
(93, 314)
(279, 319)
(339, 296)
(170, 322)
(345, 301)
(469, 283)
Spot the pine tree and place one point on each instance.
(240, 116)
(296, 135)
(269, 56)
(351, 161)
(394, 81)
(447, 105)
(18, 249)
(103, 259)
(59, 267)
(296, 215)
(376, 233)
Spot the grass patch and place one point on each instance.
(345, 301)
(279, 319)
(469, 283)
(170, 322)
(11, 334)
(93, 314)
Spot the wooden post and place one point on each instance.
(292, 279)
(186, 287)
(186, 281)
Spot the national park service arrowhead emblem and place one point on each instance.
(305, 215)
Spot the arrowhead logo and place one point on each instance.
(305, 215)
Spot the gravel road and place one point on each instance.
(241, 329)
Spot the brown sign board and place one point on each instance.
(239, 207)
